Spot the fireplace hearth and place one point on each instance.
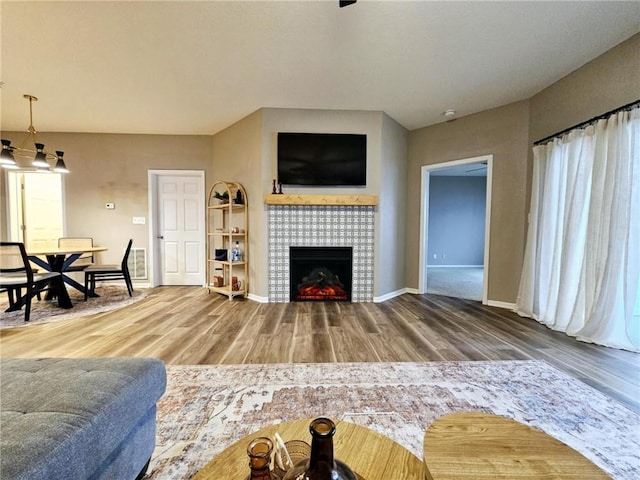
(319, 274)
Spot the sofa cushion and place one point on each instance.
(60, 418)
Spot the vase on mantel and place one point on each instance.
(321, 465)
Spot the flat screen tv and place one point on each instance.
(322, 159)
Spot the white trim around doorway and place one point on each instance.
(424, 219)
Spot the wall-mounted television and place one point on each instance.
(322, 159)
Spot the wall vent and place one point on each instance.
(137, 263)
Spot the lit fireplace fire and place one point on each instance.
(321, 284)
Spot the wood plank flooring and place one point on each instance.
(186, 325)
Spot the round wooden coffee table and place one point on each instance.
(371, 455)
(479, 445)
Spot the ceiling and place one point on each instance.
(178, 67)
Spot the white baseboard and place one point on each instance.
(413, 291)
(257, 298)
(455, 266)
(506, 305)
(389, 296)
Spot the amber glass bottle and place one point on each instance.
(321, 465)
(259, 451)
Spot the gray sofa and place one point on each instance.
(78, 419)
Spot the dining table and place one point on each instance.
(59, 259)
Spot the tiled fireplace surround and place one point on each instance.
(321, 226)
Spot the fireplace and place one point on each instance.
(320, 226)
(319, 274)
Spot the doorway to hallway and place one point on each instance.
(455, 219)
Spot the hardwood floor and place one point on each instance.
(186, 325)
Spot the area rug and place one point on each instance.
(111, 297)
(207, 408)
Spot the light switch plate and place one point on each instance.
(139, 220)
(110, 206)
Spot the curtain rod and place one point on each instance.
(628, 106)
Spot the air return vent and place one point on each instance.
(138, 263)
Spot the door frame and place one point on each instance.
(424, 219)
(154, 210)
(15, 205)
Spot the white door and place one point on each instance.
(181, 229)
(36, 208)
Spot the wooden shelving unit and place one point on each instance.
(227, 223)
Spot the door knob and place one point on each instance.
(161, 237)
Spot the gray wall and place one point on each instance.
(456, 220)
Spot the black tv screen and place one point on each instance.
(330, 159)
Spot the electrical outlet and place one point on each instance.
(435, 255)
(139, 220)
(444, 255)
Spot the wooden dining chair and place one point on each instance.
(16, 275)
(86, 259)
(104, 273)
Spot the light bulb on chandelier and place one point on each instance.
(39, 157)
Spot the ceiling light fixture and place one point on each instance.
(39, 157)
(449, 114)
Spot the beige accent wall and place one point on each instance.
(247, 152)
(502, 132)
(113, 168)
(604, 84)
(237, 157)
(328, 121)
(607, 82)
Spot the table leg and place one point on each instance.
(59, 263)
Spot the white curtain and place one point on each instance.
(581, 269)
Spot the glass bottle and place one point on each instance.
(236, 254)
(320, 465)
(259, 451)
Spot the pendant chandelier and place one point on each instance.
(39, 158)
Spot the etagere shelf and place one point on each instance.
(227, 222)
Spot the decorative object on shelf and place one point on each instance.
(39, 157)
(223, 197)
(236, 254)
(259, 451)
(273, 188)
(321, 465)
(238, 200)
(227, 240)
(279, 189)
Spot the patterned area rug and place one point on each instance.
(207, 408)
(111, 297)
